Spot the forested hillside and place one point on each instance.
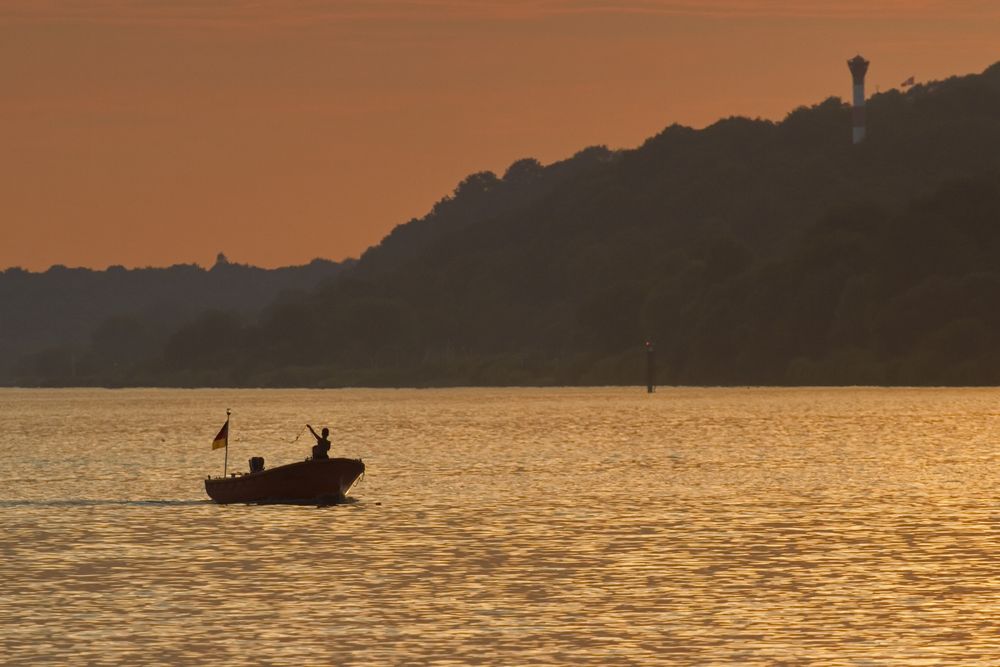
(73, 323)
(750, 252)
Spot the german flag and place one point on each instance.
(222, 440)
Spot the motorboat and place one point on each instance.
(314, 481)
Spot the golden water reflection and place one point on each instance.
(530, 527)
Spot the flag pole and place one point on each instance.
(225, 462)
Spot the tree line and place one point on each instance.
(750, 252)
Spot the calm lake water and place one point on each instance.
(507, 527)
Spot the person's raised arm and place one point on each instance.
(315, 435)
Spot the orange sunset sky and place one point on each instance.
(154, 132)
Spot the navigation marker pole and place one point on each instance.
(650, 367)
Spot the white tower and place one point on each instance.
(859, 67)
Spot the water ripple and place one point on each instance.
(530, 527)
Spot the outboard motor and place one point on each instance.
(256, 463)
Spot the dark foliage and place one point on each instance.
(78, 326)
(750, 251)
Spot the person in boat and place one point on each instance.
(321, 450)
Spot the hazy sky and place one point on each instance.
(152, 132)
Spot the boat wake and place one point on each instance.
(71, 502)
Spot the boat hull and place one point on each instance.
(320, 481)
